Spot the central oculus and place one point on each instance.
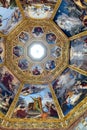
(37, 51)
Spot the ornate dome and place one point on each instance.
(43, 64)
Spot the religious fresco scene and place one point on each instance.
(43, 64)
(9, 85)
(38, 9)
(18, 51)
(10, 15)
(2, 50)
(37, 70)
(37, 31)
(56, 51)
(23, 64)
(35, 101)
(51, 38)
(78, 53)
(50, 65)
(70, 88)
(23, 37)
(71, 16)
(82, 125)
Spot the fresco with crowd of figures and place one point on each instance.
(35, 101)
(70, 89)
(38, 9)
(9, 85)
(78, 53)
(9, 15)
(71, 16)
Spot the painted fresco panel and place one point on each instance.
(71, 16)
(38, 9)
(8, 89)
(35, 101)
(70, 88)
(78, 53)
(9, 15)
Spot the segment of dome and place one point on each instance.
(38, 9)
(10, 15)
(71, 16)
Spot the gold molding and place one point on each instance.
(20, 7)
(78, 70)
(77, 36)
(60, 113)
(55, 9)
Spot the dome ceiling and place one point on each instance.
(41, 53)
(43, 63)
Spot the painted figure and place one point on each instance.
(50, 65)
(70, 88)
(38, 32)
(23, 37)
(18, 51)
(23, 64)
(51, 38)
(36, 71)
(71, 16)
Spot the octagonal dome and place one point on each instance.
(43, 64)
(41, 47)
